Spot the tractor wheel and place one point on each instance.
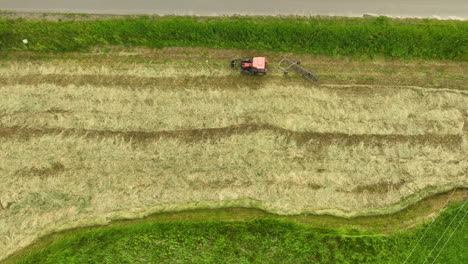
(245, 72)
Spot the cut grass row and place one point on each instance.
(167, 101)
(258, 241)
(52, 182)
(260, 165)
(294, 107)
(357, 37)
(139, 67)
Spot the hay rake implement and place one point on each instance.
(289, 64)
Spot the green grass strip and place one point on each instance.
(355, 37)
(257, 241)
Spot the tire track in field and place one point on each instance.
(228, 82)
(166, 83)
(314, 139)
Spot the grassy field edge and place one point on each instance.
(338, 36)
(343, 227)
(406, 213)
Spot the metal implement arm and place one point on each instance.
(299, 69)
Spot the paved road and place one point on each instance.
(401, 8)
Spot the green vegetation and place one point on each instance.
(258, 241)
(357, 37)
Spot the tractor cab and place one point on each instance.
(257, 65)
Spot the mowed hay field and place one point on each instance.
(116, 133)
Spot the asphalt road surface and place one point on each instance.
(445, 9)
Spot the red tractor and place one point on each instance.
(257, 65)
